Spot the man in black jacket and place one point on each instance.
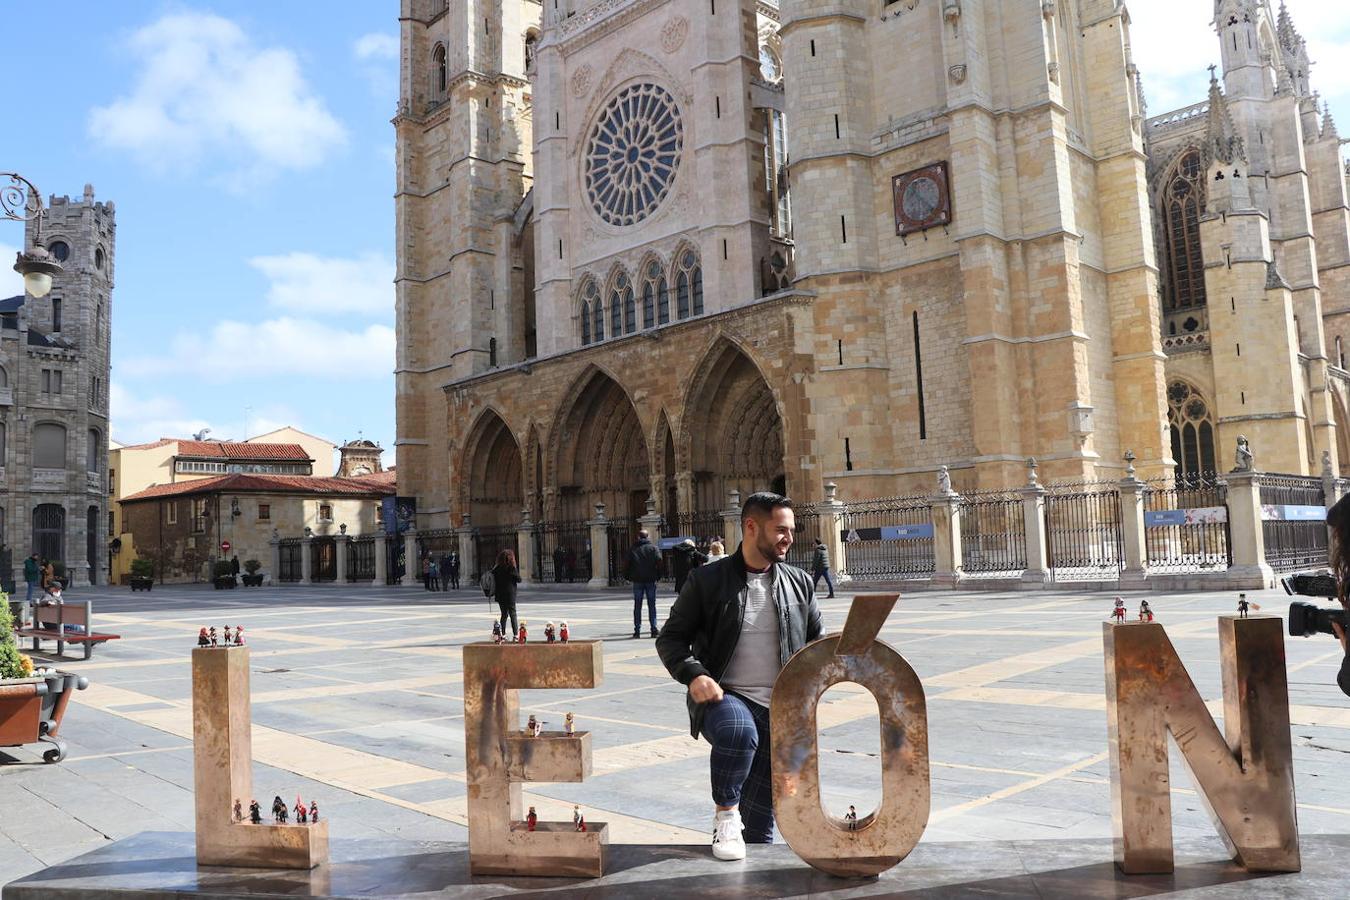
(729, 634)
(644, 570)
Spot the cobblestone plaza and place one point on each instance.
(357, 704)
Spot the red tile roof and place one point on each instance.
(241, 450)
(272, 484)
(162, 442)
(386, 478)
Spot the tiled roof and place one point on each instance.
(242, 450)
(274, 484)
(386, 478)
(162, 442)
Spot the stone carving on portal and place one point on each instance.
(673, 34)
(582, 79)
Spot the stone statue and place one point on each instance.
(1244, 456)
(944, 480)
(1326, 463)
(276, 534)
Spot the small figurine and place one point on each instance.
(301, 811)
(852, 818)
(520, 637)
(1145, 612)
(215, 639)
(576, 814)
(1244, 461)
(279, 810)
(314, 812)
(581, 822)
(562, 632)
(229, 639)
(1242, 606)
(238, 811)
(239, 635)
(496, 632)
(533, 727)
(202, 639)
(550, 635)
(944, 479)
(531, 819)
(1119, 611)
(255, 813)
(569, 723)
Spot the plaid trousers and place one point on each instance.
(738, 730)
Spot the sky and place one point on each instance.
(248, 148)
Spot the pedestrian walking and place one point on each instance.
(426, 573)
(434, 576)
(820, 568)
(445, 572)
(684, 559)
(234, 565)
(559, 563)
(505, 577)
(454, 569)
(644, 571)
(32, 575)
(727, 637)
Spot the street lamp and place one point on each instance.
(21, 201)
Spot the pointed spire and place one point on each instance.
(1224, 143)
(1329, 124)
(1288, 35)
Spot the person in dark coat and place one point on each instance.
(820, 567)
(234, 565)
(644, 571)
(505, 577)
(452, 573)
(684, 559)
(559, 563)
(445, 571)
(571, 565)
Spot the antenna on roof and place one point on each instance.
(201, 435)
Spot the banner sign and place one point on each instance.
(1200, 515)
(398, 513)
(888, 533)
(1289, 513)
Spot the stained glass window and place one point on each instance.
(1181, 199)
(633, 154)
(688, 285)
(1192, 427)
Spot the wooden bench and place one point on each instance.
(49, 623)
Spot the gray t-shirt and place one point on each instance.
(756, 663)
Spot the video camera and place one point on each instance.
(1307, 619)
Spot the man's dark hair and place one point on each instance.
(763, 503)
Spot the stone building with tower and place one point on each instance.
(54, 367)
(675, 248)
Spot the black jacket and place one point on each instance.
(820, 560)
(704, 625)
(683, 561)
(1343, 676)
(644, 563)
(504, 581)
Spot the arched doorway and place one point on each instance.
(492, 477)
(49, 531)
(601, 453)
(734, 432)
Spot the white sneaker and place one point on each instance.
(727, 842)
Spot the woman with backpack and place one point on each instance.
(500, 584)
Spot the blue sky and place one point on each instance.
(247, 145)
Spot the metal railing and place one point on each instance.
(804, 538)
(1186, 525)
(1082, 532)
(322, 560)
(487, 544)
(290, 552)
(562, 552)
(993, 535)
(361, 559)
(622, 535)
(1293, 521)
(886, 538)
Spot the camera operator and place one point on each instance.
(1338, 521)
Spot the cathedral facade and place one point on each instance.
(668, 249)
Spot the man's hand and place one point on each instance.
(704, 690)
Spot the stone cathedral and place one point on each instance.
(668, 249)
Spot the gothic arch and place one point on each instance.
(652, 287)
(599, 450)
(665, 466)
(591, 325)
(732, 428)
(1342, 428)
(1180, 203)
(491, 487)
(685, 276)
(1191, 424)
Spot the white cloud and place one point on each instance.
(11, 282)
(139, 418)
(306, 282)
(205, 89)
(376, 45)
(377, 58)
(285, 346)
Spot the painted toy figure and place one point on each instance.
(520, 636)
(255, 813)
(550, 635)
(239, 635)
(229, 638)
(852, 818)
(279, 810)
(533, 727)
(314, 812)
(215, 639)
(496, 632)
(301, 811)
(202, 639)
(1242, 606)
(238, 811)
(1145, 611)
(581, 822)
(576, 814)
(531, 819)
(562, 632)
(569, 724)
(1119, 611)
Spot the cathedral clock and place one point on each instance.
(922, 199)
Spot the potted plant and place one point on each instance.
(223, 576)
(252, 577)
(142, 574)
(32, 702)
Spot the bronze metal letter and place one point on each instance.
(499, 756)
(1246, 780)
(222, 763)
(881, 839)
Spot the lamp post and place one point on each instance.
(20, 201)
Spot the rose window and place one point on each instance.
(633, 153)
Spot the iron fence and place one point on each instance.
(1293, 521)
(361, 559)
(1082, 532)
(804, 538)
(487, 543)
(1186, 525)
(887, 538)
(993, 535)
(562, 552)
(622, 535)
(290, 562)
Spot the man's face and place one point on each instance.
(771, 535)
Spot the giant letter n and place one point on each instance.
(1246, 780)
(499, 756)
